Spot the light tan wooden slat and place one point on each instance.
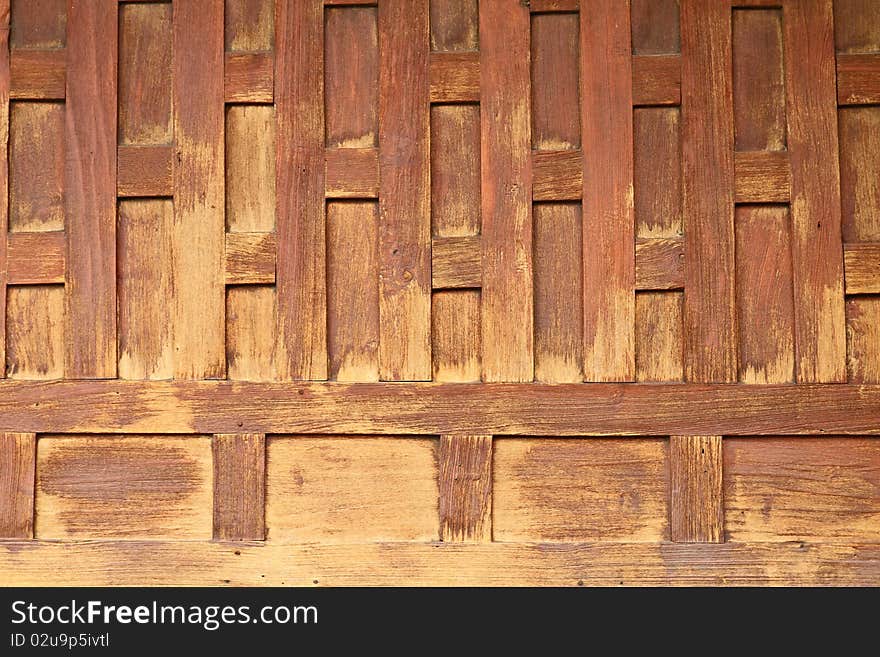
(696, 507)
(239, 486)
(456, 262)
(250, 258)
(862, 264)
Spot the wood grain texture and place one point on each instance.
(249, 25)
(456, 343)
(454, 25)
(765, 312)
(554, 58)
(35, 332)
(696, 506)
(145, 284)
(708, 192)
(144, 171)
(36, 258)
(250, 168)
(859, 172)
(465, 488)
(353, 290)
(250, 333)
(558, 293)
(404, 194)
(821, 490)
(581, 490)
(131, 487)
(762, 177)
(455, 262)
(862, 265)
(351, 489)
(250, 258)
(38, 74)
(249, 77)
(657, 173)
(758, 80)
(856, 26)
(817, 254)
(858, 79)
(436, 564)
(659, 340)
(145, 74)
(18, 452)
(36, 166)
(454, 77)
(239, 486)
(863, 339)
(500, 409)
(659, 263)
(301, 342)
(507, 300)
(39, 23)
(90, 189)
(455, 170)
(352, 172)
(199, 199)
(557, 176)
(608, 215)
(655, 27)
(4, 173)
(656, 80)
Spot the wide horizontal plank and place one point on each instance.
(625, 409)
(456, 262)
(858, 79)
(557, 176)
(37, 74)
(862, 267)
(144, 171)
(249, 77)
(656, 80)
(250, 258)
(203, 563)
(351, 172)
(659, 263)
(455, 77)
(762, 177)
(36, 258)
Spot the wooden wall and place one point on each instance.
(440, 292)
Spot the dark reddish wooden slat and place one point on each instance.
(249, 77)
(659, 263)
(858, 79)
(465, 482)
(239, 486)
(351, 172)
(4, 172)
(557, 175)
(36, 258)
(38, 74)
(455, 262)
(144, 171)
(250, 258)
(641, 409)
(762, 177)
(656, 80)
(455, 77)
(553, 5)
(696, 508)
(90, 189)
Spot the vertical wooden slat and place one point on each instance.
(707, 160)
(4, 172)
(863, 339)
(696, 504)
(90, 189)
(239, 486)
(507, 298)
(18, 452)
(199, 197)
(300, 270)
(465, 488)
(454, 25)
(608, 215)
(249, 25)
(658, 336)
(455, 331)
(817, 255)
(404, 192)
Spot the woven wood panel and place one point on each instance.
(440, 292)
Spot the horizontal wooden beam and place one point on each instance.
(539, 6)
(351, 172)
(36, 258)
(634, 409)
(37, 74)
(455, 77)
(858, 79)
(862, 267)
(204, 563)
(762, 177)
(659, 263)
(250, 258)
(557, 176)
(249, 77)
(456, 262)
(144, 171)
(656, 80)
